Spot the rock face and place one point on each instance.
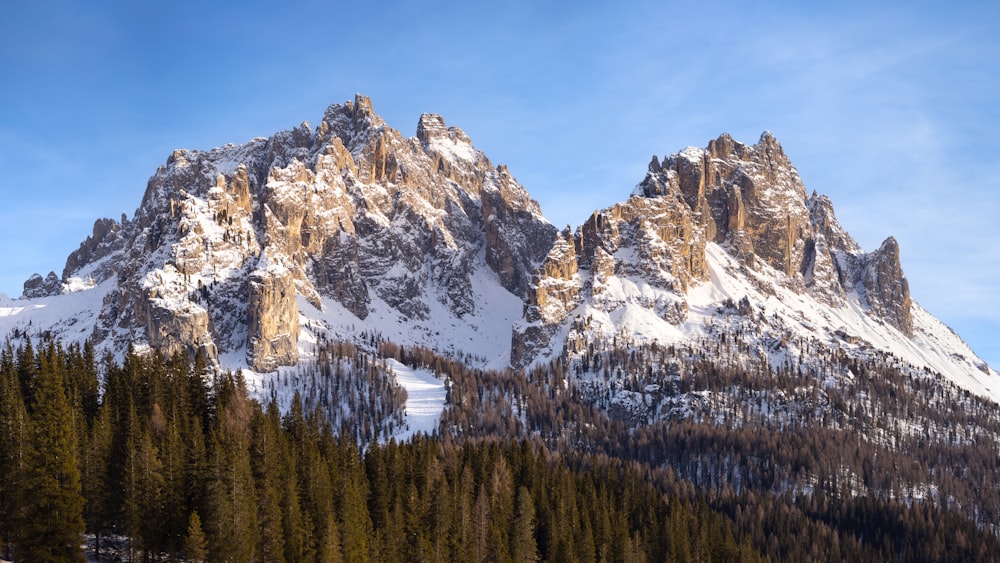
(106, 240)
(747, 196)
(749, 200)
(226, 241)
(272, 320)
(241, 250)
(36, 286)
(885, 288)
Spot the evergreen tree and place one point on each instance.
(267, 460)
(95, 479)
(13, 429)
(523, 545)
(195, 545)
(232, 502)
(329, 548)
(50, 504)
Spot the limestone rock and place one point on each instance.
(106, 239)
(36, 286)
(351, 215)
(176, 326)
(750, 200)
(886, 289)
(353, 212)
(272, 320)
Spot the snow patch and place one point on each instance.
(425, 399)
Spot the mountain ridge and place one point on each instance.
(249, 253)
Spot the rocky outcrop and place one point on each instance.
(107, 239)
(554, 292)
(654, 240)
(750, 200)
(36, 286)
(272, 320)
(351, 212)
(175, 327)
(886, 290)
(747, 196)
(517, 239)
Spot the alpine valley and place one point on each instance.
(717, 336)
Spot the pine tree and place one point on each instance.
(329, 548)
(95, 480)
(232, 501)
(267, 459)
(297, 527)
(50, 505)
(357, 525)
(524, 548)
(195, 544)
(13, 428)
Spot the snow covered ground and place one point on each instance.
(425, 399)
(627, 307)
(482, 337)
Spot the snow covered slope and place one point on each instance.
(256, 254)
(724, 242)
(249, 254)
(780, 324)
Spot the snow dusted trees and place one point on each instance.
(187, 467)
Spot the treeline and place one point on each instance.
(159, 459)
(162, 462)
(352, 386)
(804, 478)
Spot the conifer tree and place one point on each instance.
(329, 549)
(357, 524)
(13, 428)
(298, 536)
(232, 501)
(195, 545)
(524, 548)
(267, 459)
(50, 504)
(95, 479)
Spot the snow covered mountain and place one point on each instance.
(252, 254)
(730, 229)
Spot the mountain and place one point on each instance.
(718, 331)
(725, 240)
(253, 254)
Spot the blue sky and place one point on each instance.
(891, 109)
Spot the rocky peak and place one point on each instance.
(363, 113)
(351, 122)
(431, 127)
(825, 224)
(750, 201)
(886, 289)
(106, 239)
(36, 286)
(747, 196)
(351, 214)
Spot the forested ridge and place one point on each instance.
(163, 459)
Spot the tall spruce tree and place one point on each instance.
(50, 504)
(13, 428)
(195, 545)
(524, 548)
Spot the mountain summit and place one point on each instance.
(249, 254)
(253, 251)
